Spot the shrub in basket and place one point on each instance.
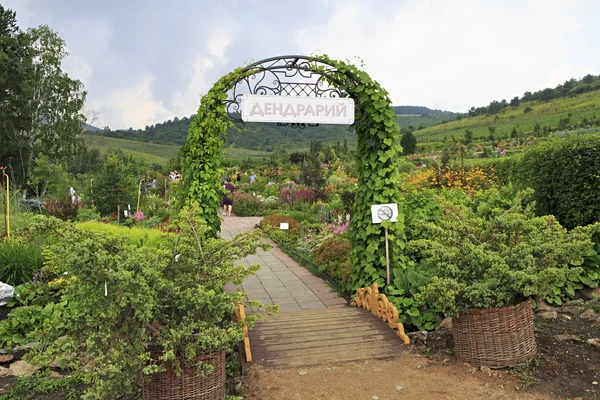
(134, 313)
(495, 264)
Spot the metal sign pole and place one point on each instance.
(387, 256)
(385, 213)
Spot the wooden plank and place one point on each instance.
(339, 322)
(312, 359)
(333, 317)
(324, 348)
(318, 313)
(356, 342)
(326, 323)
(359, 329)
(316, 336)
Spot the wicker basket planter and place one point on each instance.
(189, 385)
(496, 338)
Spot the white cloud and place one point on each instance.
(218, 41)
(185, 101)
(151, 62)
(455, 54)
(134, 106)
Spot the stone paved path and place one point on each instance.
(280, 280)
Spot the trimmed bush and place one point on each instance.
(245, 205)
(333, 258)
(140, 237)
(564, 174)
(270, 224)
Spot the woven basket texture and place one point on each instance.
(189, 385)
(495, 338)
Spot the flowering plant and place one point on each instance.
(139, 216)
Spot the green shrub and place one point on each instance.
(406, 167)
(139, 237)
(245, 205)
(333, 258)
(403, 292)
(88, 214)
(162, 214)
(499, 260)
(22, 321)
(302, 217)
(132, 311)
(19, 261)
(564, 174)
(271, 190)
(152, 222)
(270, 225)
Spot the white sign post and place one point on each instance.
(284, 226)
(380, 213)
(297, 109)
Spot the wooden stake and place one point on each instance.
(7, 207)
(387, 256)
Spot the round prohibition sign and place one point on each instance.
(385, 213)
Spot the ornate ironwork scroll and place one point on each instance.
(288, 76)
(370, 299)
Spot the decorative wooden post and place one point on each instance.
(370, 299)
(240, 313)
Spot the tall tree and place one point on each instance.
(409, 143)
(55, 101)
(40, 105)
(14, 56)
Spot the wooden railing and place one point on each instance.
(370, 299)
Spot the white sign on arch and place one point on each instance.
(295, 109)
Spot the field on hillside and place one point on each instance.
(417, 121)
(160, 154)
(149, 152)
(545, 113)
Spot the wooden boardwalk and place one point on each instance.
(332, 335)
(315, 325)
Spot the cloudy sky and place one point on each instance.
(147, 61)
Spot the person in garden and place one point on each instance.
(238, 177)
(228, 198)
(252, 177)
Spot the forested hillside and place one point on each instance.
(270, 137)
(418, 110)
(537, 118)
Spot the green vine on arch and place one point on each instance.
(377, 155)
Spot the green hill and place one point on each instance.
(271, 137)
(566, 113)
(150, 152)
(153, 153)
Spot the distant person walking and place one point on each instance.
(228, 198)
(238, 177)
(252, 178)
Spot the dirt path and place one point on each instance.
(408, 377)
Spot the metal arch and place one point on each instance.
(290, 75)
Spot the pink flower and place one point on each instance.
(139, 216)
